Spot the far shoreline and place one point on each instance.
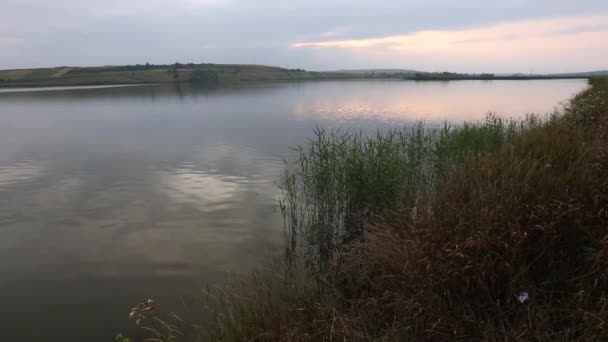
(101, 85)
(206, 74)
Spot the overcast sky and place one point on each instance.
(466, 35)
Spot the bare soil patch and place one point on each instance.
(61, 72)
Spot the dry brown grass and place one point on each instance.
(522, 220)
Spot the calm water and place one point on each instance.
(109, 196)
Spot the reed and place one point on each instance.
(342, 181)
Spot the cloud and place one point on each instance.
(541, 32)
(329, 33)
(543, 45)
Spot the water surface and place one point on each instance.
(112, 195)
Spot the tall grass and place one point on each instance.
(342, 180)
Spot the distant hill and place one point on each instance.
(150, 73)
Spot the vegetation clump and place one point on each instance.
(344, 182)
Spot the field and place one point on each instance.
(226, 74)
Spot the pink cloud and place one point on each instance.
(509, 37)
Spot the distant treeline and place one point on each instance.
(451, 75)
(445, 76)
(428, 75)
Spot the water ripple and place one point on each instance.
(202, 189)
(22, 172)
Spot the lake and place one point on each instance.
(111, 195)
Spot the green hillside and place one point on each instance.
(148, 73)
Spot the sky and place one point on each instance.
(538, 36)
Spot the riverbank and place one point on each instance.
(491, 231)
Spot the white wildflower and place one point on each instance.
(523, 297)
